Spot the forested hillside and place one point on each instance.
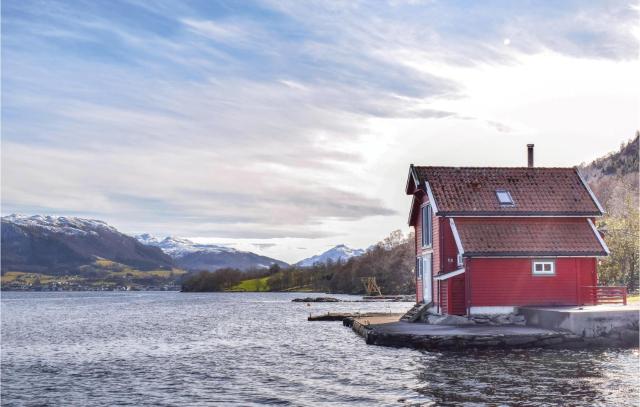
(614, 179)
(390, 261)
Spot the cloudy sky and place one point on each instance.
(287, 127)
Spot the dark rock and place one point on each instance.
(519, 340)
(629, 336)
(316, 299)
(554, 340)
(449, 320)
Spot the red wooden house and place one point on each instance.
(491, 239)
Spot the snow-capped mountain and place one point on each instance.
(338, 253)
(60, 224)
(177, 247)
(61, 244)
(195, 256)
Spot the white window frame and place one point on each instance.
(504, 191)
(542, 263)
(429, 222)
(427, 277)
(459, 260)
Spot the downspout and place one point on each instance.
(576, 266)
(441, 250)
(439, 300)
(467, 288)
(441, 237)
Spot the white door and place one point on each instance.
(426, 278)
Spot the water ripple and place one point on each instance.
(171, 349)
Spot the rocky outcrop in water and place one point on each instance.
(316, 299)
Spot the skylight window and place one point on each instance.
(504, 197)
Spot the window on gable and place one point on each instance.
(426, 226)
(543, 267)
(504, 197)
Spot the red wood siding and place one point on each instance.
(435, 261)
(444, 296)
(509, 281)
(449, 248)
(422, 199)
(456, 295)
(417, 226)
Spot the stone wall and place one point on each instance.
(476, 319)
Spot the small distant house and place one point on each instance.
(490, 239)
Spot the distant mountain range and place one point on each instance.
(335, 254)
(60, 245)
(178, 247)
(194, 256)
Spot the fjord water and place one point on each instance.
(169, 348)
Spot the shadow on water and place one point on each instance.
(533, 377)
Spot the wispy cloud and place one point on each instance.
(217, 31)
(267, 120)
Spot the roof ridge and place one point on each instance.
(506, 168)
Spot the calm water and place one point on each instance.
(249, 349)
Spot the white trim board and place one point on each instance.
(448, 275)
(602, 242)
(456, 236)
(506, 309)
(511, 215)
(431, 198)
(532, 257)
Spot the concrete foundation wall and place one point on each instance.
(588, 323)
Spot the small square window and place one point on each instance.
(504, 197)
(544, 267)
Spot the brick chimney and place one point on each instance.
(530, 155)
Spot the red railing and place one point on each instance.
(604, 295)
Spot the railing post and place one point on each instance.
(624, 296)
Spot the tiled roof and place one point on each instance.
(528, 237)
(535, 191)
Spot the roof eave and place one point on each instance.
(536, 254)
(412, 177)
(601, 241)
(591, 194)
(520, 213)
(413, 204)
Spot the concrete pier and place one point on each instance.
(383, 331)
(596, 321)
(546, 328)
